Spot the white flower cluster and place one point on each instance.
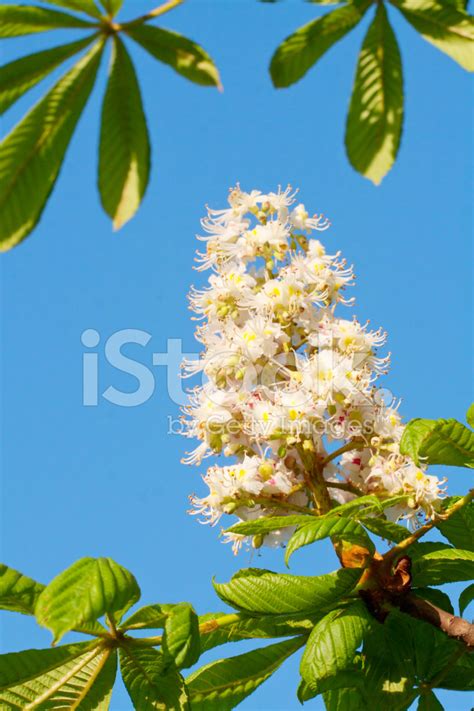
(286, 383)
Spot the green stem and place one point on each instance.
(160, 10)
(204, 628)
(320, 489)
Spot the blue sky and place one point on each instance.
(107, 480)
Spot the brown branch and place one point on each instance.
(453, 626)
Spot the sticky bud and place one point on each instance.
(230, 508)
(282, 451)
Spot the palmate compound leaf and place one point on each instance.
(257, 590)
(375, 117)
(301, 50)
(368, 505)
(222, 685)
(151, 682)
(437, 597)
(340, 529)
(18, 20)
(147, 617)
(252, 627)
(470, 416)
(442, 24)
(73, 676)
(384, 529)
(332, 646)
(465, 598)
(124, 151)
(268, 524)
(112, 6)
(32, 154)
(181, 639)
(459, 527)
(19, 76)
(407, 646)
(86, 6)
(343, 699)
(429, 702)
(442, 441)
(18, 593)
(182, 54)
(446, 565)
(90, 588)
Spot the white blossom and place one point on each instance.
(286, 380)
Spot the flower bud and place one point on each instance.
(266, 470)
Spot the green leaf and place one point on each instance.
(247, 627)
(338, 528)
(182, 54)
(461, 676)
(298, 52)
(112, 6)
(124, 153)
(269, 524)
(22, 74)
(344, 699)
(18, 593)
(151, 682)
(443, 566)
(73, 676)
(90, 588)
(429, 702)
(32, 154)
(17, 20)
(86, 6)
(465, 598)
(370, 504)
(459, 528)
(148, 617)
(441, 24)
(181, 638)
(222, 685)
(375, 118)
(437, 597)
(333, 643)
(256, 590)
(470, 416)
(438, 442)
(385, 529)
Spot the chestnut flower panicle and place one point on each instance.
(286, 382)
